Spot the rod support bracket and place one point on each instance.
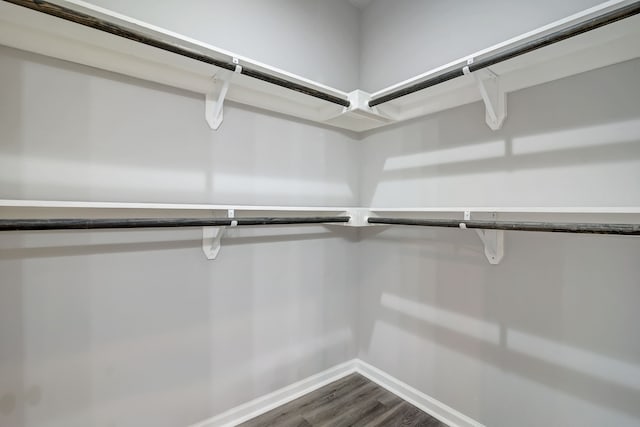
(214, 99)
(493, 240)
(494, 98)
(212, 237)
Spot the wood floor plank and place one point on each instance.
(426, 420)
(407, 415)
(350, 410)
(336, 407)
(307, 403)
(375, 413)
(390, 399)
(386, 418)
(352, 401)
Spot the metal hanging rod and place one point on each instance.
(526, 47)
(555, 227)
(120, 31)
(90, 224)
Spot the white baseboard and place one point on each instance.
(259, 406)
(426, 403)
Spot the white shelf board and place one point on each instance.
(595, 214)
(60, 204)
(533, 209)
(70, 205)
(13, 208)
(608, 45)
(37, 32)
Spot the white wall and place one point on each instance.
(548, 336)
(318, 40)
(403, 38)
(136, 327)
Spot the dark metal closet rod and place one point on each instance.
(89, 224)
(526, 47)
(555, 227)
(118, 30)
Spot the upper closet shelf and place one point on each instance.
(79, 32)
(9, 207)
(86, 34)
(597, 37)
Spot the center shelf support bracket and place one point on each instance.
(493, 241)
(494, 98)
(214, 100)
(212, 237)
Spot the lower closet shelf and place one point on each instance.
(489, 223)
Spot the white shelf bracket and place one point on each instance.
(211, 241)
(493, 241)
(214, 100)
(494, 98)
(212, 237)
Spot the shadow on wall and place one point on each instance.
(129, 139)
(556, 312)
(589, 120)
(95, 340)
(137, 326)
(554, 149)
(13, 384)
(103, 326)
(547, 328)
(587, 375)
(160, 240)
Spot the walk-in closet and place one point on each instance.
(304, 213)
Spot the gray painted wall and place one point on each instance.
(403, 38)
(318, 40)
(571, 142)
(545, 337)
(542, 338)
(137, 328)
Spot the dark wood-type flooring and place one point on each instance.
(350, 401)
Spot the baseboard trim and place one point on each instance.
(259, 406)
(424, 402)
